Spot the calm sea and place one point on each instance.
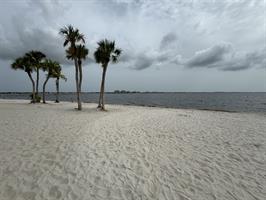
(234, 102)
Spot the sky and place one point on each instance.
(168, 45)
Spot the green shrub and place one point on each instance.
(37, 98)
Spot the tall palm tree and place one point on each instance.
(36, 57)
(105, 53)
(72, 37)
(78, 53)
(23, 63)
(53, 68)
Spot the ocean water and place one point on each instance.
(222, 101)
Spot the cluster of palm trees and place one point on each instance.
(36, 61)
(76, 51)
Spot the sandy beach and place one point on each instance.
(55, 152)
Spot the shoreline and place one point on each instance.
(142, 105)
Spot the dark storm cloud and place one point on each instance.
(27, 35)
(223, 57)
(30, 31)
(49, 42)
(210, 56)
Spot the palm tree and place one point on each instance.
(72, 37)
(105, 53)
(78, 53)
(23, 63)
(36, 57)
(58, 75)
(53, 68)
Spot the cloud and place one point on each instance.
(168, 40)
(152, 34)
(25, 34)
(256, 59)
(223, 57)
(46, 40)
(165, 54)
(209, 56)
(142, 62)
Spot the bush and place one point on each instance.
(37, 98)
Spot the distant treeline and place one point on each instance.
(114, 92)
(125, 91)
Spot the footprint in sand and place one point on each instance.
(55, 192)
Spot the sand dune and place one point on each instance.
(54, 152)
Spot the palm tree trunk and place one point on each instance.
(77, 85)
(100, 96)
(43, 89)
(37, 81)
(101, 101)
(33, 87)
(80, 77)
(57, 90)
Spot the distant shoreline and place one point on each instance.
(127, 92)
(214, 101)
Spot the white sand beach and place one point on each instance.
(52, 152)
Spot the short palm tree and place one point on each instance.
(58, 75)
(72, 37)
(23, 63)
(36, 57)
(105, 53)
(53, 69)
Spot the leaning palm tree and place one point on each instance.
(78, 53)
(52, 68)
(72, 37)
(36, 57)
(105, 53)
(23, 63)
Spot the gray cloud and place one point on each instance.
(27, 35)
(47, 41)
(143, 62)
(210, 56)
(165, 54)
(246, 61)
(168, 40)
(152, 34)
(223, 57)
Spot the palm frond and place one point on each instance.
(71, 35)
(62, 76)
(70, 53)
(66, 42)
(79, 52)
(66, 30)
(106, 51)
(114, 59)
(22, 63)
(80, 37)
(118, 52)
